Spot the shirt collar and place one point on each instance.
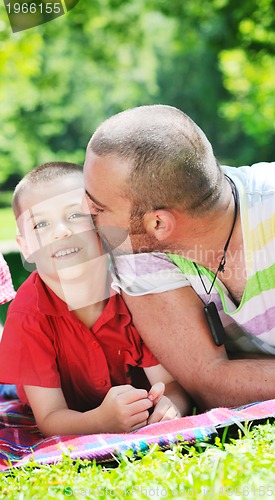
(47, 301)
(50, 304)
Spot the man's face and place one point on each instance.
(105, 178)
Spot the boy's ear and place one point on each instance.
(24, 248)
(160, 224)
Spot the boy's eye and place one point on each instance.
(41, 224)
(76, 215)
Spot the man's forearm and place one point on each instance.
(174, 327)
(234, 383)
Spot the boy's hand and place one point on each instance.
(164, 409)
(124, 409)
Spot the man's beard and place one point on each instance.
(136, 239)
(141, 240)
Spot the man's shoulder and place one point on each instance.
(259, 177)
(146, 273)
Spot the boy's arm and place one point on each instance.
(169, 398)
(124, 409)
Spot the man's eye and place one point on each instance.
(41, 224)
(95, 210)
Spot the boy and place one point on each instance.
(67, 343)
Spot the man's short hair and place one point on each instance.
(171, 161)
(39, 175)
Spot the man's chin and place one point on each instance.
(144, 243)
(121, 242)
(112, 237)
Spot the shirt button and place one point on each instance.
(102, 382)
(95, 344)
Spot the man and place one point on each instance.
(151, 170)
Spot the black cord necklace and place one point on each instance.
(210, 309)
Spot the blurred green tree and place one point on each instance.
(219, 69)
(211, 59)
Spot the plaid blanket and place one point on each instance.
(21, 441)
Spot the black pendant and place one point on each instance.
(215, 324)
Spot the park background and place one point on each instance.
(213, 59)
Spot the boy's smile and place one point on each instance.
(63, 253)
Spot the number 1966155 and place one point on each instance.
(32, 8)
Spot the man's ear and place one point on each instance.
(160, 224)
(21, 241)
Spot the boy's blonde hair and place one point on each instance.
(41, 174)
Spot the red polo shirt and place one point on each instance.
(44, 344)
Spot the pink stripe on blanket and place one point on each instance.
(20, 440)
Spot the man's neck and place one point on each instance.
(202, 238)
(212, 233)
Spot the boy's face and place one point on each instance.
(55, 232)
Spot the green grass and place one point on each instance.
(6, 198)
(241, 468)
(7, 224)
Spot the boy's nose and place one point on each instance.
(61, 230)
